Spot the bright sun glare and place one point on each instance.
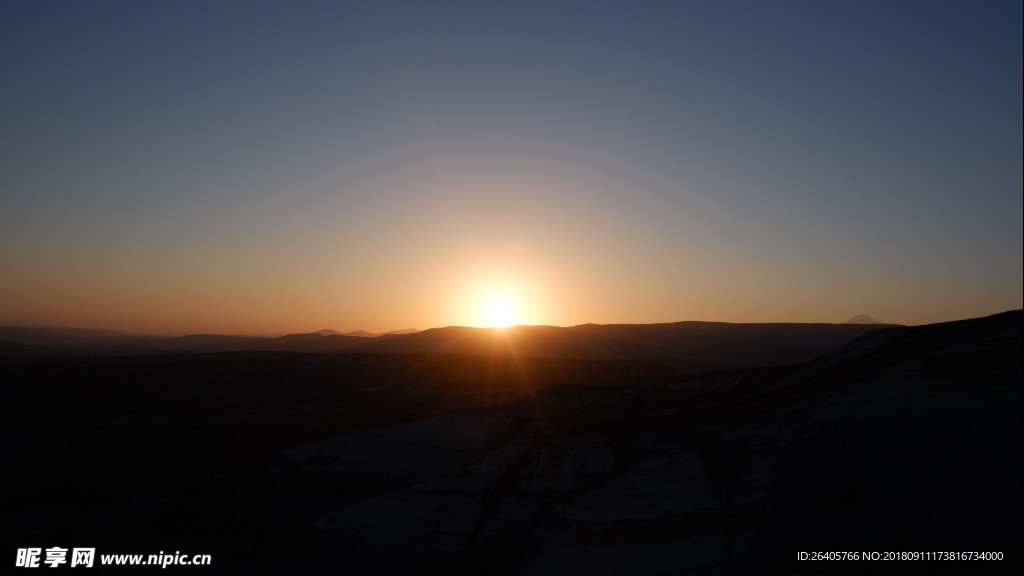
(499, 312)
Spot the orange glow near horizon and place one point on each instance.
(492, 293)
(499, 312)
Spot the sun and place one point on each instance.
(499, 312)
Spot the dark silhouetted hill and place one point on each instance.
(688, 346)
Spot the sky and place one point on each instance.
(272, 167)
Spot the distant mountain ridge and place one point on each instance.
(687, 346)
(863, 319)
(359, 334)
(364, 333)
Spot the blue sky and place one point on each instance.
(288, 166)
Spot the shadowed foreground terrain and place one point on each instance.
(906, 439)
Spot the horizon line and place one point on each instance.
(178, 334)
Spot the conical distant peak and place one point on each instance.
(862, 319)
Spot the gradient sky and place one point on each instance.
(272, 167)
